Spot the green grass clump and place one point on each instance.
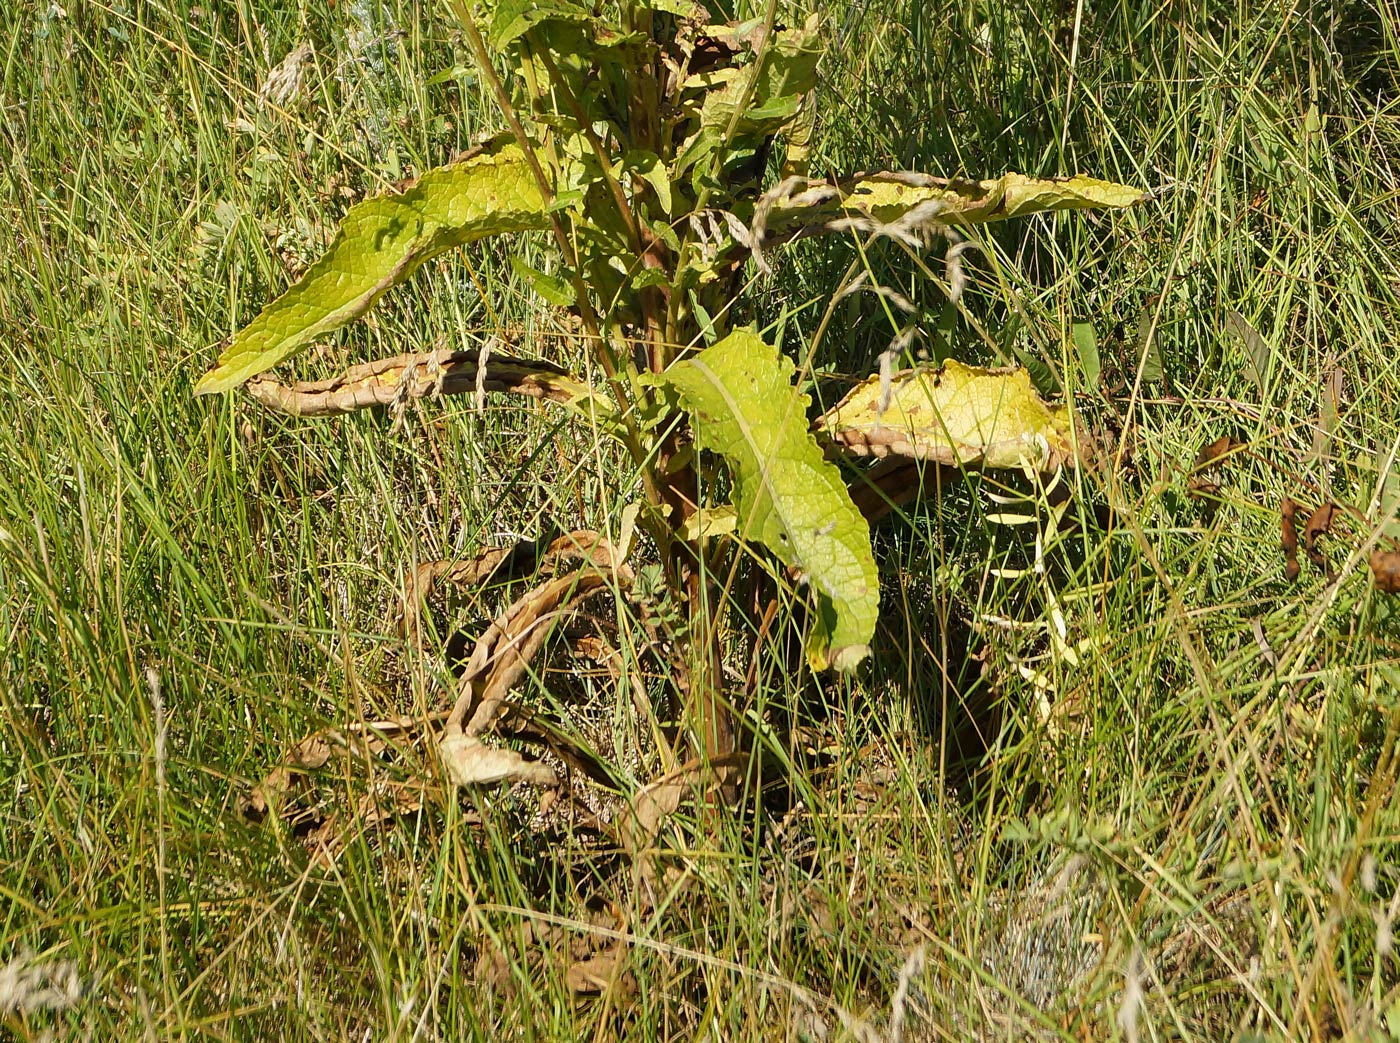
(1117, 780)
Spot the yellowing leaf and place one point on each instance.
(709, 522)
(902, 204)
(381, 242)
(787, 496)
(954, 414)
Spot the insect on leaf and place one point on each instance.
(381, 242)
(787, 496)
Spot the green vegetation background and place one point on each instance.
(1192, 809)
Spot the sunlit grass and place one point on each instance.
(1136, 763)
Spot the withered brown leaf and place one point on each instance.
(599, 972)
(1215, 452)
(1199, 485)
(1385, 568)
(1318, 524)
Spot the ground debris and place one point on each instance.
(601, 972)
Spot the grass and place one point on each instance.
(1183, 828)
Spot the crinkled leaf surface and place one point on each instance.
(788, 497)
(888, 198)
(954, 414)
(381, 242)
(788, 70)
(512, 19)
(770, 92)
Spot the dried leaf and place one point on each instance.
(395, 380)
(598, 973)
(954, 414)
(498, 564)
(1215, 452)
(896, 480)
(903, 204)
(493, 968)
(1319, 523)
(315, 751)
(656, 802)
(503, 652)
(470, 762)
(1288, 511)
(266, 795)
(1385, 568)
(385, 802)
(1201, 487)
(637, 828)
(499, 660)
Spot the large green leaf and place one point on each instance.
(903, 203)
(381, 242)
(788, 496)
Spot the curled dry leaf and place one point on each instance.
(384, 802)
(500, 659)
(1214, 452)
(1201, 486)
(505, 650)
(315, 751)
(1385, 569)
(903, 204)
(498, 564)
(470, 762)
(638, 827)
(1288, 512)
(395, 380)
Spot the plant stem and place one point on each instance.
(603, 350)
(702, 198)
